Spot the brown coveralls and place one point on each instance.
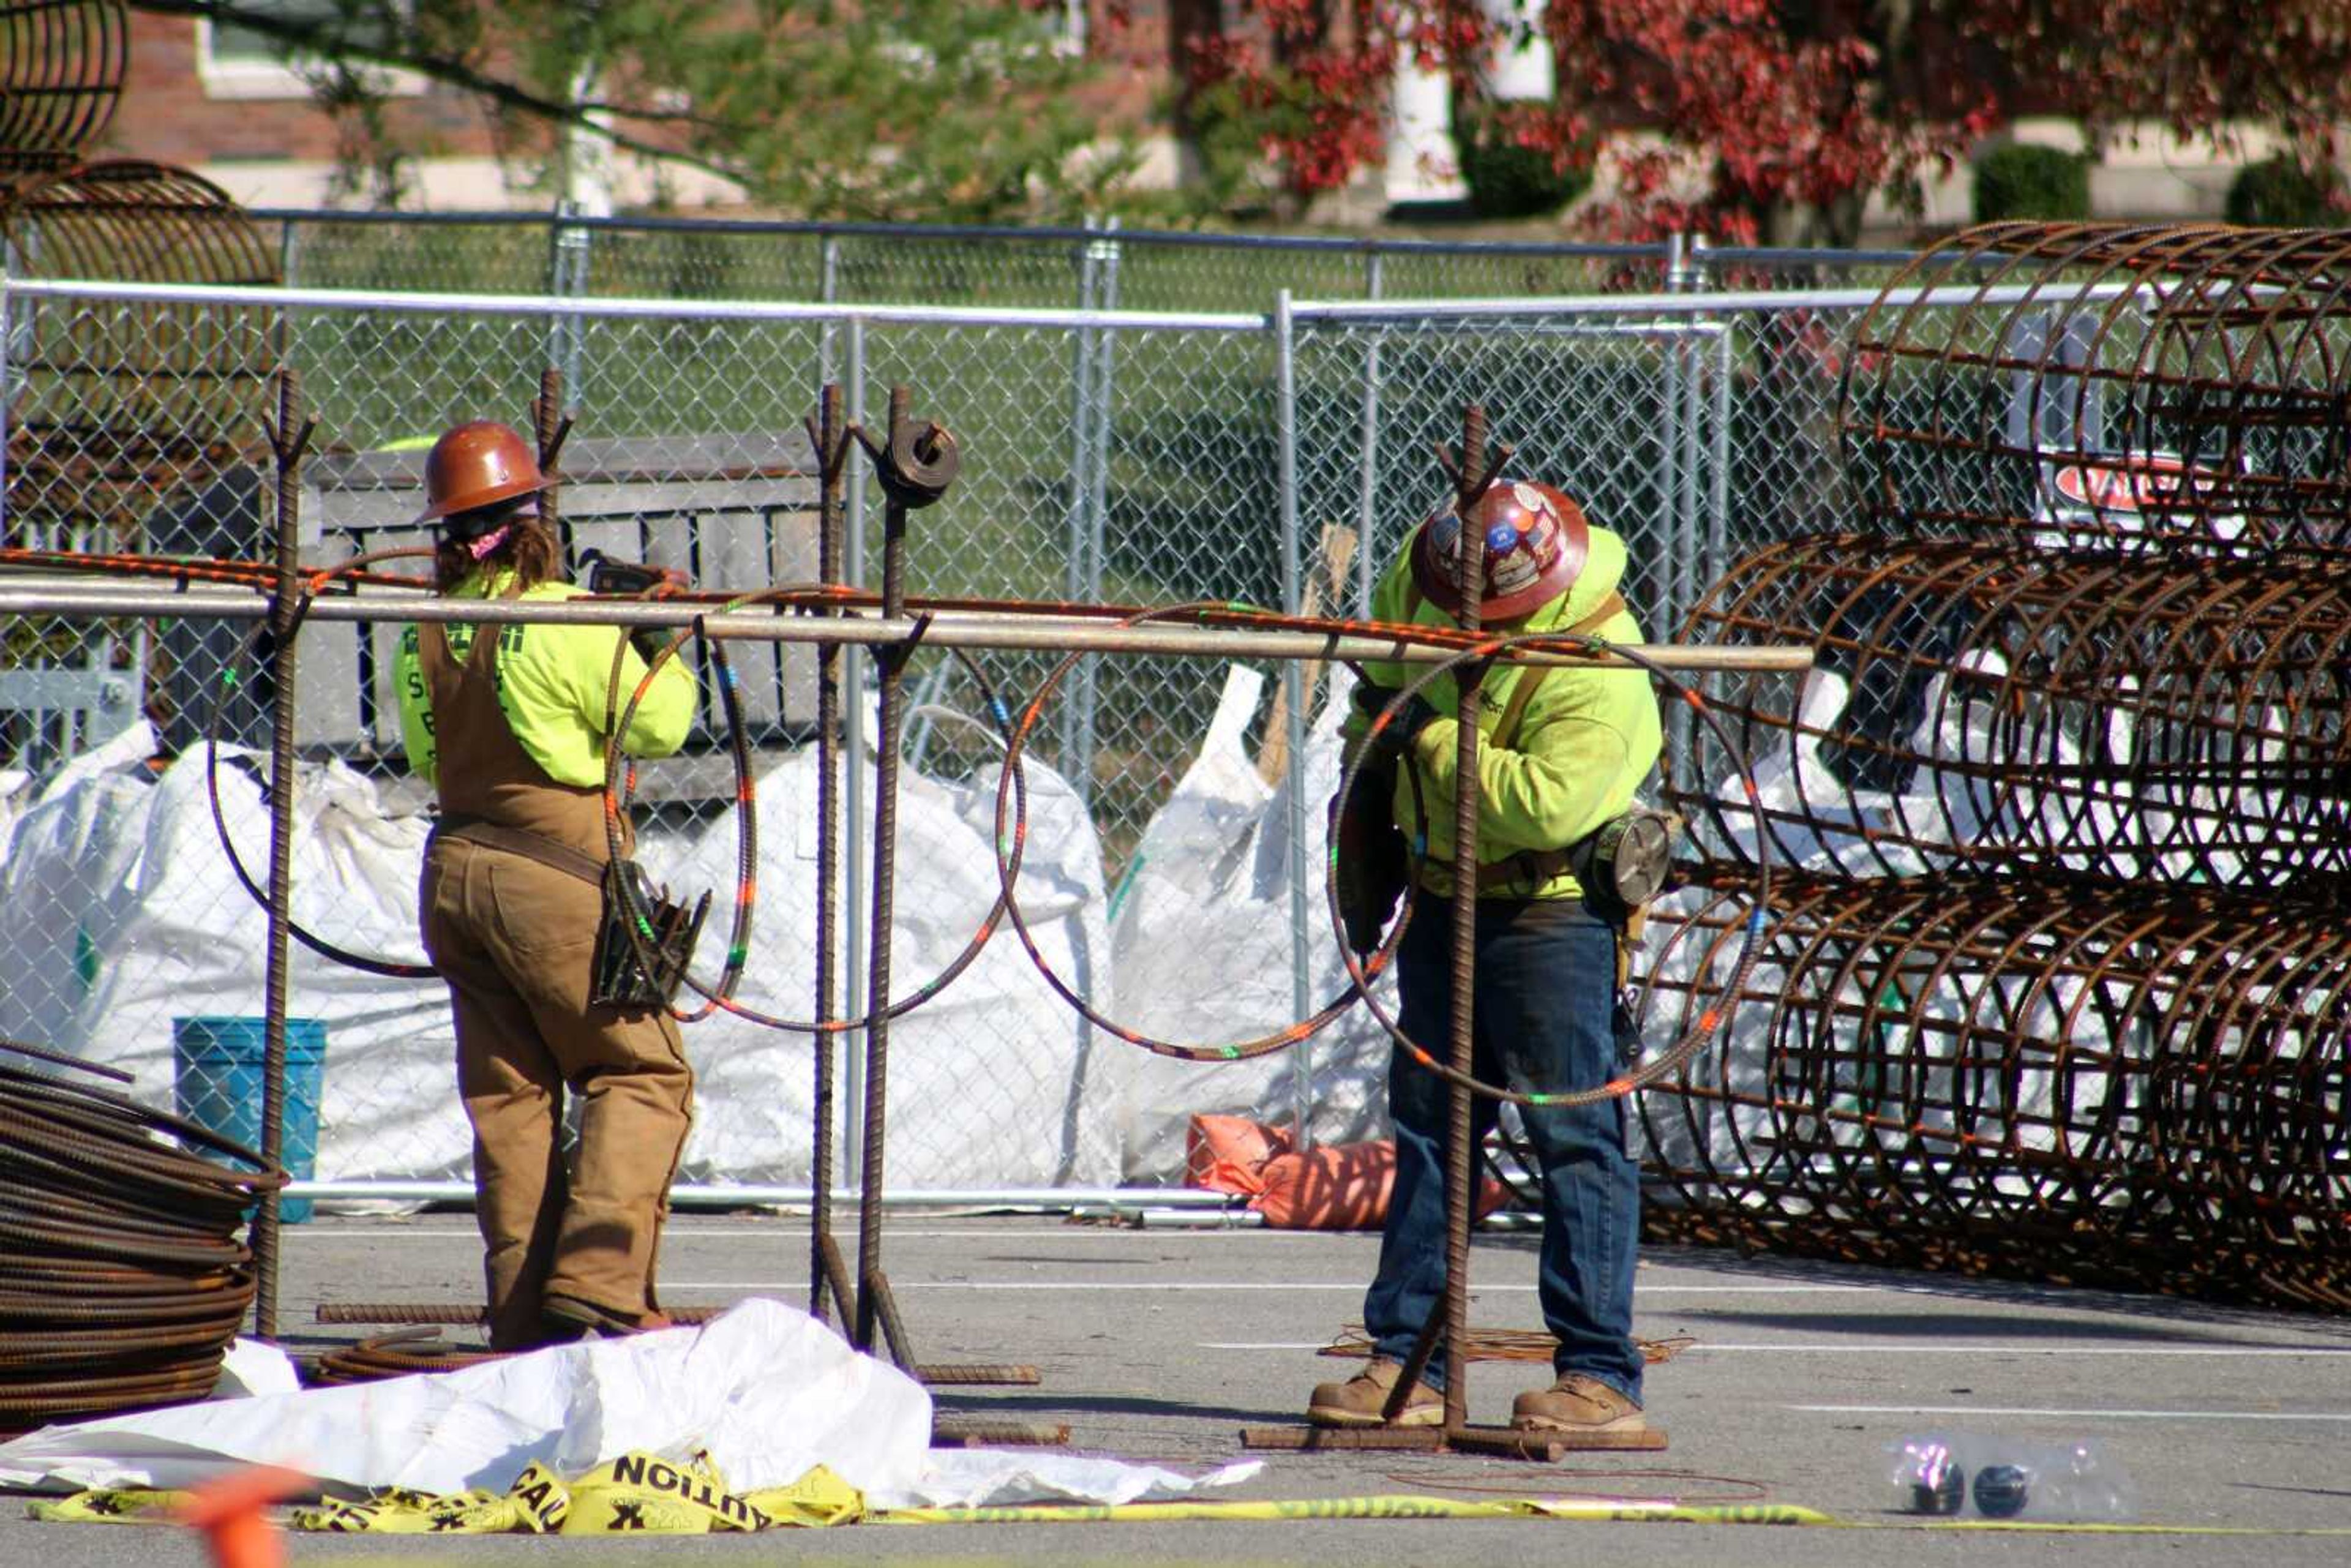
(514, 938)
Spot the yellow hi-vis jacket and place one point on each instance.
(1585, 741)
(553, 682)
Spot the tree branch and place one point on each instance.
(328, 42)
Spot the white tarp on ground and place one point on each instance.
(766, 1390)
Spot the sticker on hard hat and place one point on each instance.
(1512, 572)
(1527, 495)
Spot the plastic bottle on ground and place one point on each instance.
(1979, 1476)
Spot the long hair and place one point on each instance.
(529, 550)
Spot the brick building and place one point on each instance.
(216, 101)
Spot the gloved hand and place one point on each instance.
(1369, 858)
(606, 575)
(1391, 741)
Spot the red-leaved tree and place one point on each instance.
(1773, 120)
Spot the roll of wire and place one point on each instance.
(122, 1276)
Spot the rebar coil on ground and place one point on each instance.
(123, 1274)
(2145, 1089)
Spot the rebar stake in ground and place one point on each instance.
(826, 1268)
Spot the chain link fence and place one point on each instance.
(1110, 455)
(1099, 265)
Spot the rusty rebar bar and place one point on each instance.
(829, 437)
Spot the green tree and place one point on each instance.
(946, 109)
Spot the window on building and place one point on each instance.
(247, 62)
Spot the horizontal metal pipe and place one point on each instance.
(1764, 302)
(1304, 312)
(951, 630)
(721, 1196)
(538, 307)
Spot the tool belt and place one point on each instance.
(618, 975)
(1619, 865)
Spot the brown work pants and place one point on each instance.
(515, 940)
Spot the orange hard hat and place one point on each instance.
(1536, 540)
(475, 464)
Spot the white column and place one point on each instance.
(1523, 71)
(1420, 158)
(1420, 163)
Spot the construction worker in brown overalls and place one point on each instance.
(509, 724)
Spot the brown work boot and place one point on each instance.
(565, 1319)
(1359, 1401)
(1576, 1403)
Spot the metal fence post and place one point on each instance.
(827, 291)
(1717, 533)
(1368, 466)
(1668, 571)
(568, 279)
(1689, 367)
(8, 390)
(1293, 684)
(854, 831)
(1077, 713)
(1098, 479)
(1106, 250)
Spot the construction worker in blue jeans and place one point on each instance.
(1558, 758)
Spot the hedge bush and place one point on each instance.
(2279, 192)
(1507, 180)
(2024, 181)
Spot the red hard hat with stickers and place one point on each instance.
(1536, 540)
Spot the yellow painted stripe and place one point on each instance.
(1588, 1510)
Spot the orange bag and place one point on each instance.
(1332, 1187)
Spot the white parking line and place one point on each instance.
(1232, 1285)
(1154, 1287)
(676, 1232)
(1965, 1347)
(2071, 1413)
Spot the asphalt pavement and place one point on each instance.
(1783, 1383)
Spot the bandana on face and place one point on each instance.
(480, 547)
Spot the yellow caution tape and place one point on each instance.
(108, 1505)
(534, 1504)
(817, 1500)
(644, 1492)
(640, 1494)
(459, 1513)
(637, 1493)
(540, 1499)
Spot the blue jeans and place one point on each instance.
(1544, 1019)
